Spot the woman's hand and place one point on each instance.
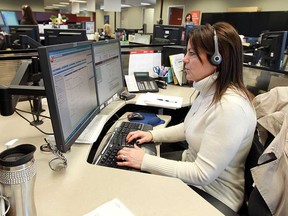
(131, 157)
(140, 136)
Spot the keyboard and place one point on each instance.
(117, 141)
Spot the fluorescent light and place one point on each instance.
(124, 5)
(59, 5)
(145, 4)
(78, 1)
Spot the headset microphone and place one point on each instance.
(216, 58)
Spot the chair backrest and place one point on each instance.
(255, 152)
(256, 204)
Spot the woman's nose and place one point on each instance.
(185, 58)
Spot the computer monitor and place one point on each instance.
(10, 18)
(60, 36)
(70, 85)
(173, 33)
(89, 26)
(109, 72)
(2, 23)
(15, 31)
(188, 29)
(272, 49)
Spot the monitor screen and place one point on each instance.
(2, 23)
(272, 49)
(89, 26)
(31, 31)
(172, 33)
(10, 18)
(109, 72)
(60, 36)
(70, 85)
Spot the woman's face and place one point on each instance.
(195, 69)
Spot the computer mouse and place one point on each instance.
(135, 116)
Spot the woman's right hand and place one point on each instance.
(140, 136)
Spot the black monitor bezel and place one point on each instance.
(28, 28)
(56, 35)
(278, 49)
(50, 94)
(101, 43)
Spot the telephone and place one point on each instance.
(141, 82)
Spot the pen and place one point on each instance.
(166, 100)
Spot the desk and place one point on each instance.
(82, 187)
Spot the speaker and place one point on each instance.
(216, 58)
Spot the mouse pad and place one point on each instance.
(150, 118)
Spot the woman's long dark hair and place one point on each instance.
(28, 15)
(230, 47)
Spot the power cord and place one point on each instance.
(31, 123)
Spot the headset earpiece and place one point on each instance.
(216, 58)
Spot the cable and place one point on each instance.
(32, 124)
(32, 113)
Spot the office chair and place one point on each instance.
(253, 203)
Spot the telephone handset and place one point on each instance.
(141, 82)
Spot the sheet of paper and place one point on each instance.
(143, 61)
(111, 208)
(158, 100)
(177, 65)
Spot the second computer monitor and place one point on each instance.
(60, 36)
(109, 72)
(70, 85)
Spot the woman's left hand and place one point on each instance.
(131, 157)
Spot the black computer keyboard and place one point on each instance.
(117, 140)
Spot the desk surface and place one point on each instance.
(82, 187)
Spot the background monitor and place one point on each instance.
(173, 33)
(272, 49)
(109, 72)
(89, 26)
(70, 85)
(2, 23)
(10, 18)
(16, 31)
(60, 36)
(188, 29)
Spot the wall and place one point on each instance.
(100, 19)
(218, 6)
(132, 17)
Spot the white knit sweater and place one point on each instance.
(219, 138)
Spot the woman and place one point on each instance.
(219, 126)
(108, 31)
(188, 20)
(28, 17)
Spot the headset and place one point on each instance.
(216, 58)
